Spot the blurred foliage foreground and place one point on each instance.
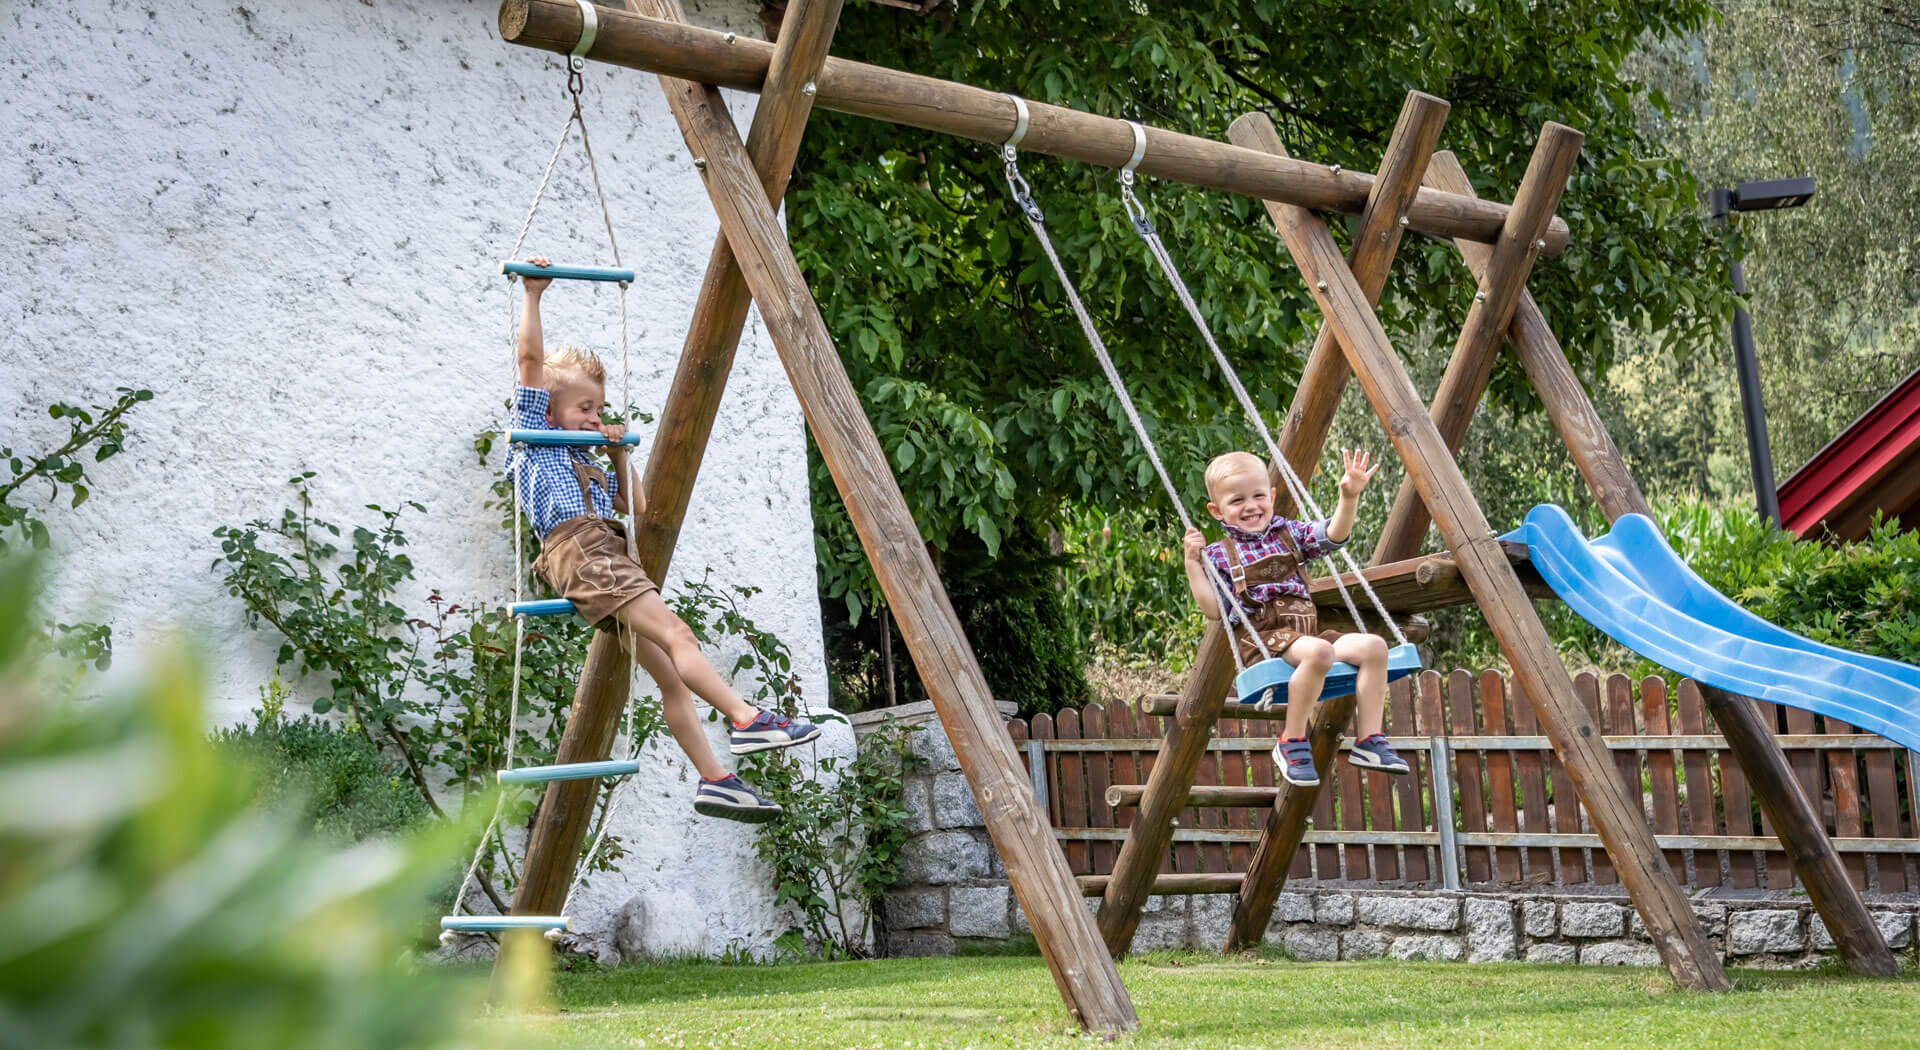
(147, 901)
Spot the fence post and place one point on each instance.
(1439, 761)
(1037, 769)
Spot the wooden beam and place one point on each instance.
(1038, 872)
(1319, 395)
(566, 809)
(1674, 928)
(1198, 795)
(1171, 885)
(1752, 741)
(1505, 280)
(706, 357)
(723, 60)
(1375, 242)
(1430, 581)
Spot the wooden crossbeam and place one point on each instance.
(1536, 666)
(1752, 740)
(1471, 365)
(1038, 872)
(725, 60)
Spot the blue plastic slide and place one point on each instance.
(1632, 586)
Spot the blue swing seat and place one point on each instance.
(565, 437)
(488, 923)
(541, 607)
(1268, 678)
(517, 268)
(619, 767)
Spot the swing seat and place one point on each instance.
(565, 437)
(1267, 680)
(494, 923)
(570, 771)
(566, 273)
(543, 607)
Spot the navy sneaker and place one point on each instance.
(768, 731)
(731, 798)
(1375, 753)
(1295, 758)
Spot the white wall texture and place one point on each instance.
(283, 219)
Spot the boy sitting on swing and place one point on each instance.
(1263, 554)
(583, 556)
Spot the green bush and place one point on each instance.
(335, 778)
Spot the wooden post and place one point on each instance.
(1314, 403)
(706, 357)
(1038, 872)
(1748, 736)
(1504, 282)
(1671, 923)
(566, 809)
(675, 50)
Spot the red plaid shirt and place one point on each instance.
(1311, 538)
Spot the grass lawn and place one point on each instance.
(1207, 1002)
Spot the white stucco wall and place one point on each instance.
(283, 219)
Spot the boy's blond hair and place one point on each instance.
(571, 362)
(1227, 464)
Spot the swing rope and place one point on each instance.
(1036, 219)
(1302, 496)
(574, 118)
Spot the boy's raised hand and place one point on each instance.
(1195, 544)
(536, 285)
(613, 432)
(1360, 470)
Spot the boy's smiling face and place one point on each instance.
(1243, 499)
(575, 404)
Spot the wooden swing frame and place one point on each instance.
(1415, 189)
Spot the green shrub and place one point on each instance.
(335, 778)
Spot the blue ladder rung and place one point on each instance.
(482, 923)
(571, 771)
(565, 437)
(566, 273)
(1270, 677)
(543, 607)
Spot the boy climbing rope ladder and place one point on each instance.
(585, 556)
(1263, 554)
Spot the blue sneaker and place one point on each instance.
(1295, 758)
(731, 798)
(1375, 753)
(768, 731)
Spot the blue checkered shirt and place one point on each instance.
(1310, 536)
(548, 491)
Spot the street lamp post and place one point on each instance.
(1754, 196)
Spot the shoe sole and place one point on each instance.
(1369, 762)
(1300, 783)
(747, 815)
(771, 745)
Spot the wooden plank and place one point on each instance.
(1843, 781)
(1501, 285)
(706, 356)
(1420, 584)
(1172, 885)
(1430, 721)
(1349, 800)
(1807, 769)
(1072, 789)
(1501, 788)
(1664, 786)
(1883, 811)
(1041, 728)
(1469, 771)
(1743, 868)
(1491, 839)
(1859, 940)
(1099, 772)
(1588, 688)
(706, 56)
(1619, 721)
(1205, 795)
(1233, 773)
(1538, 864)
(1379, 788)
(1775, 872)
(1326, 857)
(1410, 813)
(1376, 241)
(1701, 819)
(1212, 856)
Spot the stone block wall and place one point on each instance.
(955, 893)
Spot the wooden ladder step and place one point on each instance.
(1172, 885)
(1198, 795)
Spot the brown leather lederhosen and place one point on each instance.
(586, 559)
(1285, 619)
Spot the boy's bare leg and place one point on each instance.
(649, 616)
(1311, 658)
(676, 703)
(1368, 655)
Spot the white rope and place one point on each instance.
(1302, 496)
(1023, 195)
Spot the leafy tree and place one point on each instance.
(957, 335)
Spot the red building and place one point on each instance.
(1873, 465)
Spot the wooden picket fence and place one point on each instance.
(1487, 803)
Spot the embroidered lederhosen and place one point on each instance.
(586, 559)
(1285, 619)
